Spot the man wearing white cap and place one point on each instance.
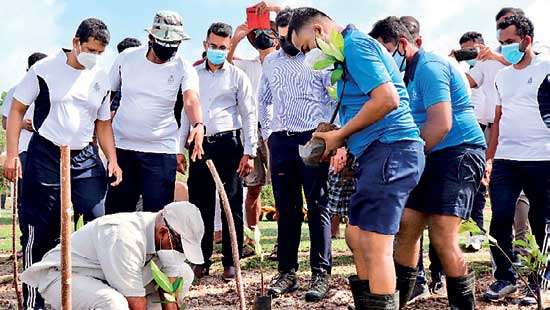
(148, 141)
(111, 259)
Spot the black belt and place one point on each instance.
(223, 135)
(292, 133)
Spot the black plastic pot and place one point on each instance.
(262, 303)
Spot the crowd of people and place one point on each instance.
(421, 141)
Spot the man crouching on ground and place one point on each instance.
(111, 259)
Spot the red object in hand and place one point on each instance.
(255, 21)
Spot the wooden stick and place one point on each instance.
(232, 231)
(14, 202)
(66, 222)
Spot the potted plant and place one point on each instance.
(262, 301)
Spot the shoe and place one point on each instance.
(248, 251)
(437, 286)
(358, 290)
(475, 243)
(284, 282)
(420, 292)
(201, 271)
(499, 289)
(318, 286)
(461, 292)
(273, 255)
(228, 273)
(528, 298)
(405, 280)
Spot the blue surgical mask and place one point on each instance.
(471, 62)
(216, 57)
(400, 60)
(511, 53)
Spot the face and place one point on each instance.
(217, 42)
(306, 39)
(167, 238)
(510, 36)
(92, 46)
(390, 46)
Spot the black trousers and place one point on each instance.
(292, 179)
(226, 151)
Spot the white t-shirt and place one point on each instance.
(484, 73)
(253, 69)
(25, 136)
(67, 101)
(145, 121)
(523, 134)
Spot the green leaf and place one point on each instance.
(324, 63)
(521, 243)
(249, 233)
(177, 285)
(160, 278)
(330, 50)
(257, 241)
(80, 222)
(337, 39)
(336, 75)
(169, 297)
(331, 90)
(471, 227)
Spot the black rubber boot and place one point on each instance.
(406, 279)
(461, 292)
(381, 302)
(358, 289)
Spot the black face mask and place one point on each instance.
(164, 53)
(263, 41)
(288, 47)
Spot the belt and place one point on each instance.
(221, 135)
(292, 133)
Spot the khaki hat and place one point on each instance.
(168, 27)
(185, 219)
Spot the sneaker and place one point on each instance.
(318, 287)
(438, 287)
(528, 298)
(420, 292)
(499, 289)
(284, 282)
(475, 243)
(273, 255)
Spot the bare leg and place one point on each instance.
(353, 241)
(444, 238)
(253, 206)
(408, 238)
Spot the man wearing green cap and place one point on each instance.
(147, 135)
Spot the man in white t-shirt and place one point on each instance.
(146, 131)
(70, 96)
(519, 146)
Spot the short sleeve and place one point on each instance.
(121, 256)
(7, 103)
(498, 92)
(104, 112)
(115, 73)
(365, 64)
(433, 81)
(476, 73)
(28, 89)
(190, 79)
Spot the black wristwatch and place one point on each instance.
(197, 124)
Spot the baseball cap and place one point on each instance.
(185, 219)
(168, 27)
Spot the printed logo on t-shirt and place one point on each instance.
(530, 81)
(171, 79)
(97, 88)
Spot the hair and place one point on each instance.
(283, 17)
(524, 26)
(390, 29)
(127, 43)
(474, 36)
(303, 17)
(509, 10)
(220, 29)
(34, 58)
(95, 28)
(412, 25)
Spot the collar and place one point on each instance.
(411, 68)
(150, 235)
(222, 68)
(349, 29)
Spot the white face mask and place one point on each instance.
(88, 60)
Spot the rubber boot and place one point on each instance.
(381, 302)
(358, 289)
(461, 292)
(406, 279)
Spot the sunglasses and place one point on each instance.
(175, 238)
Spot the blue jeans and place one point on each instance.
(508, 178)
(289, 176)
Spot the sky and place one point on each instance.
(48, 25)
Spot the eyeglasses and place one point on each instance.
(175, 238)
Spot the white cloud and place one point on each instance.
(27, 26)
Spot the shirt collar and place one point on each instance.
(222, 68)
(349, 29)
(411, 68)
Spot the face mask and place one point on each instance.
(216, 57)
(471, 62)
(313, 56)
(290, 49)
(88, 60)
(400, 60)
(511, 53)
(164, 53)
(263, 41)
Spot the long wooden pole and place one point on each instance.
(232, 231)
(14, 205)
(66, 222)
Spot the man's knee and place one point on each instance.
(444, 232)
(110, 300)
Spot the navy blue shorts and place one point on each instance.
(450, 181)
(386, 174)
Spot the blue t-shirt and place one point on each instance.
(369, 66)
(433, 80)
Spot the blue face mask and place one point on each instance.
(216, 57)
(471, 62)
(511, 53)
(400, 60)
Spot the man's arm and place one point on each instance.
(249, 118)
(240, 33)
(265, 107)
(15, 119)
(137, 303)
(438, 124)
(106, 140)
(495, 131)
(486, 53)
(193, 110)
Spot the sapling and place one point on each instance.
(332, 58)
(256, 235)
(170, 290)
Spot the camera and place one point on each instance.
(466, 54)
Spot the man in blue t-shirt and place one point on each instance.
(455, 160)
(380, 133)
